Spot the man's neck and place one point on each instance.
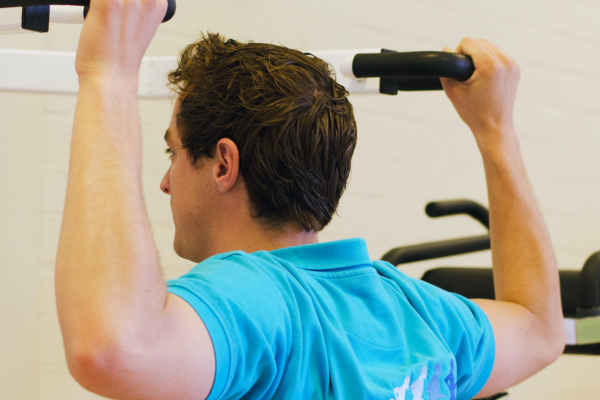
(253, 239)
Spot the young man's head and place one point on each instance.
(267, 135)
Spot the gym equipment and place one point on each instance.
(387, 72)
(362, 71)
(17, 16)
(54, 72)
(580, 290)
(399, 71)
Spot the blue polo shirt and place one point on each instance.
(323, 321)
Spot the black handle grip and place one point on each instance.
(424, 64)
(432, 250)
(85, 3)
(589, 286)
(417, 83)
(455, 207)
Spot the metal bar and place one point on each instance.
(432, 250)
(456, 207)
(10, 21)
(54, 72)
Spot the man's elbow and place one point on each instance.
(554, 343)
(560, 343)
(95, 367)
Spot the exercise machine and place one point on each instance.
(21, 16)
(361, 71)
(580, 290)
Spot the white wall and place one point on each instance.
(412, 149)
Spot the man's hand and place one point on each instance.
(115, 36)
(526, 317)
(485, 102)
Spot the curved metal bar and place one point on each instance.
(429, 251)
(438, 209)
(589, 286)
(33, 3)
(414, 84)
(413, 64)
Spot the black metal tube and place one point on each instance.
(30, 3)
(438, 209)
(589, 285)
(473, 283)
(413, 64)
(445, 248)
(478, 283)
(415, 83)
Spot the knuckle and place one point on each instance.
(490, 65)
(468, 41)
(504, 61)
(113, 4)
(511, 65)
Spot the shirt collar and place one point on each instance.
(328, 255)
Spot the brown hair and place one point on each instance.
(292, 123)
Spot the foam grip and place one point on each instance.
(421, 64)
(172, 5)
(170, 10)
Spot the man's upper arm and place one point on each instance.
(175, 361)
(518, 342)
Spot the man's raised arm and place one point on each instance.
(124, 336)
(527, 315)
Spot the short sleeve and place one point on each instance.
(459, 322)
(473, 345)
(247, 318)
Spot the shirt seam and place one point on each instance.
(344, 277)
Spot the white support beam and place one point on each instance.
(341, 61)
(10, 18)
(54, 72)
(10, 21)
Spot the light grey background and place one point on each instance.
(412, 149)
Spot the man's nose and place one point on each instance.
(165, 184)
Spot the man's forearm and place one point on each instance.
(525, 270)
(108, 279)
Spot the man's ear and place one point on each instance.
(227, 165)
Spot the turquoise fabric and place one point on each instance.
(323, 321)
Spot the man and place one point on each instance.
(259, 161)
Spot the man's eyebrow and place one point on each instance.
(167, 135)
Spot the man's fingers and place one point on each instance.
(500, 54)
(493, 48)
(471, 47)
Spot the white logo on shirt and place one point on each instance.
(417, 387)
(400, 392)
(433, 388)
